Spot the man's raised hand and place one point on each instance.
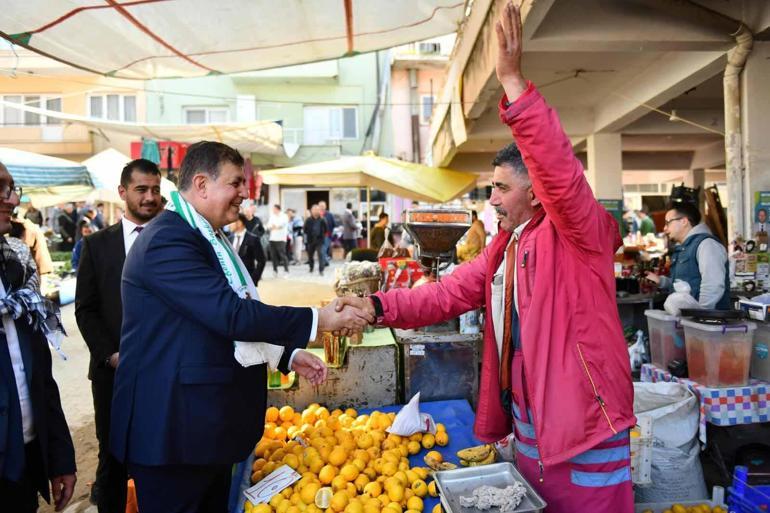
(509, 44)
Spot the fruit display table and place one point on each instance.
(721, 406)
(368, 378)
(456, 416)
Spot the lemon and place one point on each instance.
(339, 483)
(323, 497)
(338, 456)
(350, 472)
(327, 474)
(359, 463)
(434, 455)
(432, 491)
(308, 492)
(420, 489)
(272, 414)
(291, 460)
(339, 501)
(413, 447)
(396, 493)
(415, 503)
(286, 413)
(437, 509)
(428, 441)
(374, 489)
(262, 508)
(365, 441)
(442, 438)
(440, 428)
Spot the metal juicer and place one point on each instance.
(435, 232)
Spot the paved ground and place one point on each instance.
(297, 288)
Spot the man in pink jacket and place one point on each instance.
(555, 365)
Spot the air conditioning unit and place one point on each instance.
(430, 48)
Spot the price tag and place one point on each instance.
(417, 350)
(272, 485)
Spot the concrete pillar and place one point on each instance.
(755, 108)
(605, 165)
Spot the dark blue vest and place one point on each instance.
(684, 266)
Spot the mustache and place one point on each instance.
(501, 211)
(148, 204)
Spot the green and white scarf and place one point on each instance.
(246, 353)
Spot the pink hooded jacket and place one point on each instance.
(576, 361)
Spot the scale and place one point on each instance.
(438, 361)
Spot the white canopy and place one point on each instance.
(265, 137)
(105, 168)
(168, 39)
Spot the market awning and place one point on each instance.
(405, 179)
(167, 39)
(264, 137)
(46, 180)
(105, 168)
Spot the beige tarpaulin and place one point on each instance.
(405, 179)
(105, 168)
(167, 39)
(264, 137)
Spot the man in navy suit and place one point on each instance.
(35, 443)
(184, 410)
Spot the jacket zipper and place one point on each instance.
(599, 399)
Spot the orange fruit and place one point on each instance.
(286, 413)
(272, 414)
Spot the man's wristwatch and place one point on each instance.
(377, 306)
(107, 362)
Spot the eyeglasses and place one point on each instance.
(668, 222)
(6, 191)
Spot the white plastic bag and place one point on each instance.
(680, 299)
(410, 421)
(676, 470)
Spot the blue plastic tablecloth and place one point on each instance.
(456, 415)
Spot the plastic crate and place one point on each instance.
(745, 498)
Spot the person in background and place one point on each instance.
(315, 231)
(35, 443)
(699, 258)
(296, 225)
(349, 229)
(247, 246)
(330, 224)
(85, 229)
(99, 314)
(277, 225)
(380, 232)
(555, 365)
(646, 224)
(67, 227)
(290, 239)
(475, 240)
(253, 222)
(364, 231)
(98, 220)
(32, 235)
(33, 214)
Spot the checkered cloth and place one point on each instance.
(721, 406)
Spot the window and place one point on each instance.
(115, 107)
(206, 115)
(426, 108)
(11, 116)
(327, 124)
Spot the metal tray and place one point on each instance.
(453, 484)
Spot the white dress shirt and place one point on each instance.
(498, 290)
(129, 233)
(278, 226)
(25, 402)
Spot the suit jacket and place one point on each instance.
(58, 453)
(180, 397)
(349, 226)
(248, 251)
(98, 305)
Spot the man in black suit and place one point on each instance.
(99, 314)
(248, 247)
(35, 443)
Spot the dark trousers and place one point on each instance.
(316, 248)
(182, 488)
(349, 245)
(111, 476)
(21, 496)
(261, 262)
(278, 252)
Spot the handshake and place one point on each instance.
(346, 315)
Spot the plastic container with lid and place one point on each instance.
(666, 338)
(719, 355)
(760, 354)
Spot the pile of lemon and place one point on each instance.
(348, 462)
(700, 508)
